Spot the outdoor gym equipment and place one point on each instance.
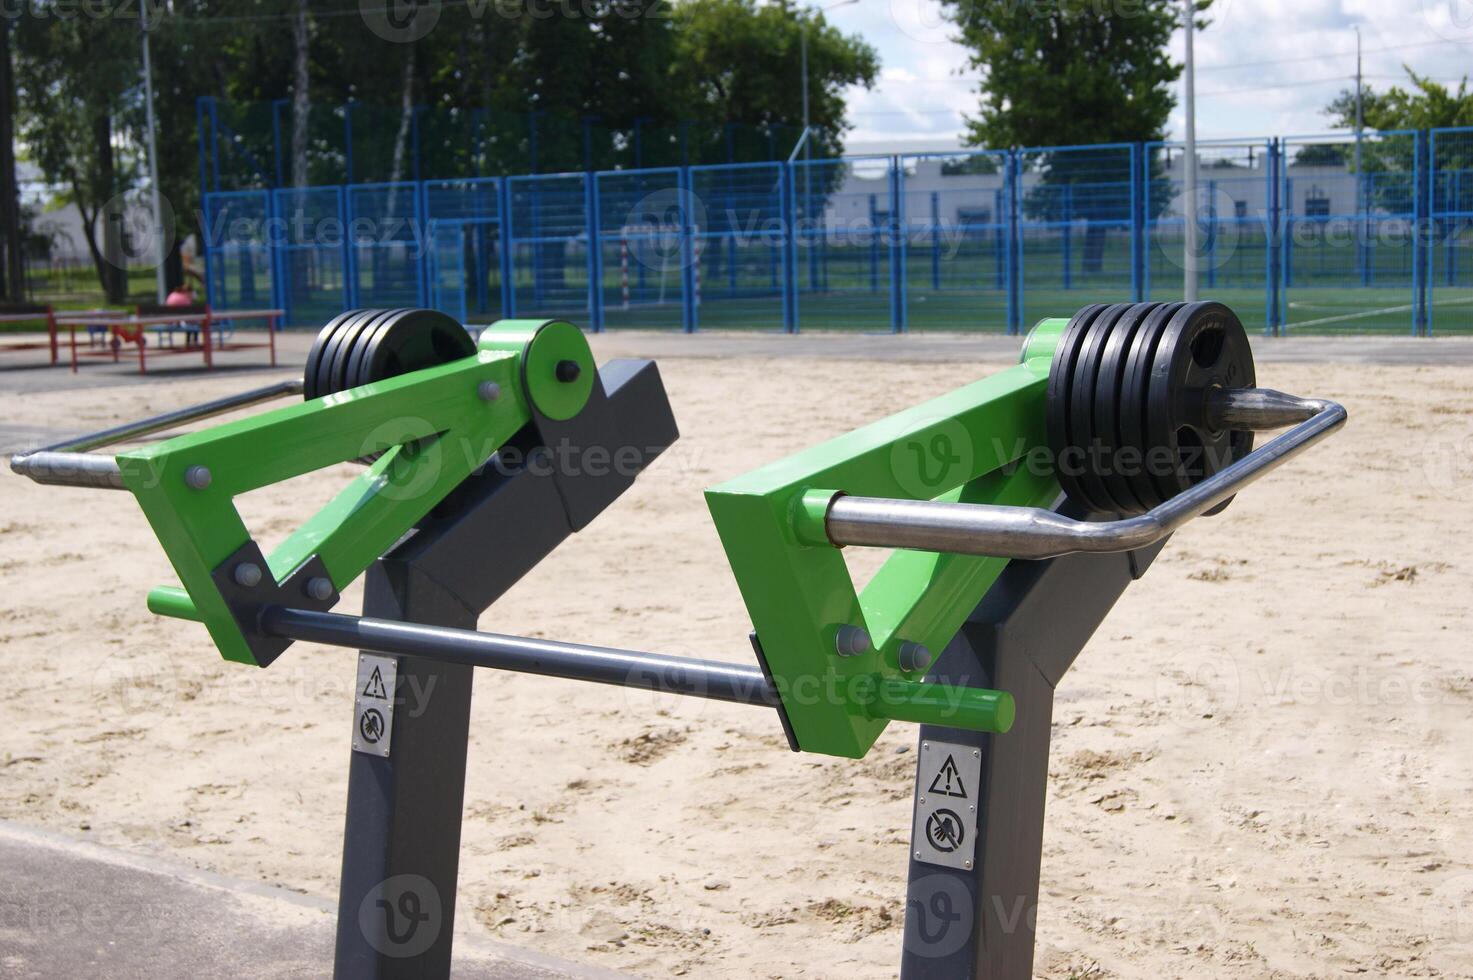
(482, 454)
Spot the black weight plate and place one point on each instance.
(1134, 377)
(1081, 409)
(320, 372)
(345, 330)
(314, 356)
(1105, 415)
(354, 338)
(354, 375)
(1204, 347)
(1060, 381)
(1127, 457)
(413, 341)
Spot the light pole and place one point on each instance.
(803, 59)
(1189, 178)
(153, 157)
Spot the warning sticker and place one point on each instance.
(373, 708)
(947, 780)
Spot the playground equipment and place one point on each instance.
(482, 454)
(31, 313)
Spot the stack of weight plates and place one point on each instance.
(362, 346)
(1128, 401)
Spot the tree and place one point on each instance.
(12, 271)
(1389, 159)
(1071, 73)
(735, 59)
(1428, 105)
(78, 81)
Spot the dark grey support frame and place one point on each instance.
(1022, 638)
(401, 846)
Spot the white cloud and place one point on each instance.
(1264, 67)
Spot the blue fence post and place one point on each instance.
(425, 241)
(688, 259)
(594, 231)
(1140, 187)
(1286, 238)
(504, 240)
(1015, 243)
(790, 248)
(1270, 240)
(896, 229)
(1421, 229)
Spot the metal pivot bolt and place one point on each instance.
(319, 588)
(851, 641)
(914, 656)
(488, 390)
(247, 574)
(197, 477)
(567, 371)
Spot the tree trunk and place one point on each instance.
(12, 286)
(406, 117)
(300, 97)
(112, 270)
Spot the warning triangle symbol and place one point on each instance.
(948, 781)
(375, 687)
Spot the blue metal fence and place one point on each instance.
(1323, 234)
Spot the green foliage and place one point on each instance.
(1427, 105)
(978, 164)
(1320, 155)
(607, 64)
(76, 78)
(735, 59)
(1069, 72)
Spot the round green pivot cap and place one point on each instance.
(557, 364)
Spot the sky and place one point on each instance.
(1264, 68)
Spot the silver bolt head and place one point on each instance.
(488, 390)
(319, 588)
(914, 656)
(247, 574)
(197, 477)
(851, 641)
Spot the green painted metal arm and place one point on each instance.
(962, 446)
(433, 428)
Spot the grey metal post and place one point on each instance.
(406, 781)
(979, 920)
(401, 844)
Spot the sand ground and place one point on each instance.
(1261, 766)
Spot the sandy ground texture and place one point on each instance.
(1261, 766)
